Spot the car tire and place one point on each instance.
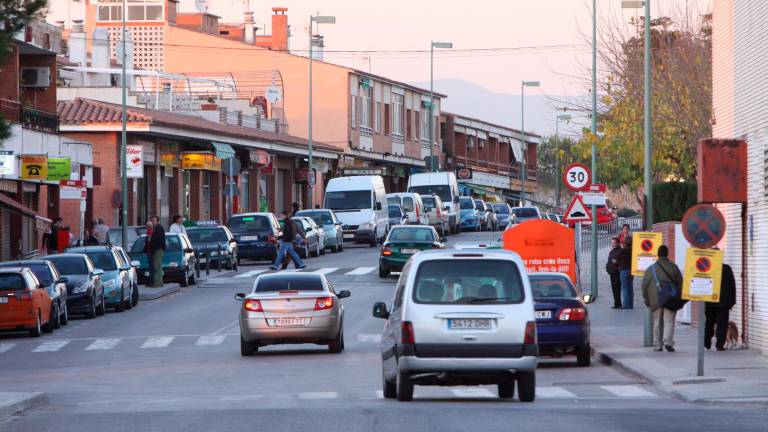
(120, 306)
(584, 355)
(65, 315)
(101, 309)
(192, 280)
(135, 296)
(236, 263)
(389, 388)
(341, 245)
(374, 240)
(36, 331)
(247, 348)
(404, 387)
(526, 386)
(91, 314)
(56, 316)
(184, 282)
(383, 272)
(506, 389)
(336, 346)
(129, 302)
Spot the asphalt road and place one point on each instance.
(174, 364)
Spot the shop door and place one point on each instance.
(29, 233)
(165, 197)
(5, 235)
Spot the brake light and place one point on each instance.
(406, 333)
(288, 292)
(253, 305)
(324, 303)
(271, 239)
(24, 295)
(386, 251)
(573, 314)
(417, 212)
(439, 214)
(530, 333)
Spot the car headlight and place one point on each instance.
(80, 289)
(109, 284)
(173, 264)
(214, 253)
(366, 225)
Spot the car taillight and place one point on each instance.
(24, 295)
(324, 303)
(573, 314)
(253, 306)
(439, 214)
(271, 239)
(406, 333)
(417, 212)
(386, 250)
(530, 332)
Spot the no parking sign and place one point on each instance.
(645, 248)
(703, 273)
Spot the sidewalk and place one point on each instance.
(13, 402)
(733, 376)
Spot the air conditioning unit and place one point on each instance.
(35, 77)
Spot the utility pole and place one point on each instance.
(558, 177)
(524, 169)
(648, 339)
(593, 272)
(432, 46)
(124, 140)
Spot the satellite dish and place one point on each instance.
(202, 5)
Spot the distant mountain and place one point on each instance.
(473, 100)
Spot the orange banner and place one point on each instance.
(544, 246)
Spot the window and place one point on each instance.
(289, 283)
(397, 114)
(425, 126)
(348, 200)
(408, 204)
(365, 106)
(417, 124)
(138, 10)
(207, 235)
(551, 287)
(11, 282)
(478, 281)
(387, 120)
(353, 112)
(377, 117)
(411, 235)
(69, 265)
(103, 260)
(409, 124)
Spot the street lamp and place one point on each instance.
(445, 45)
(124, 139)
(524, 169)
(563, 117)
(320, 19)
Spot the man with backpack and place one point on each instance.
(662, 283)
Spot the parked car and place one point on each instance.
(493, 221)
(504, 215)
(554, 217)
(470, 215)
(54, 283)
(116, 279)
(318, 231)
(133, 274)
(403, 242)
(289, 308)
(437, 214)
(444, 185)
(412, 205)
(396, 215)
(24, 302)
(256, 234)
(325, 218)
(460, 319)
(526, 213)
(562, 318)
(211, 238)
(310, 243)
(359, 204)
(85, 291)
(178, 260)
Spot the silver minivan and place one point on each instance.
(460, 317)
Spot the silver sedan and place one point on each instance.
(291, 308)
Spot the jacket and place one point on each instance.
(612, 265)
(157, 240)
(667, 272)
(727, 290)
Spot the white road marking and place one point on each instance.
(224, 328)
(554, 393)
(473, 392)
(318, 395)
(4, 347)
(51, 346)
(361, 271)
(326, 270)
(103, 344)
(628, 391)
(210, 340)
(379, 394)
(157, 342)
(250, 273)
(372, 338)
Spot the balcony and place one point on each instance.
(39, 120)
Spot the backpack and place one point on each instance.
(670, 295)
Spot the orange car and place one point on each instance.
(24, 303)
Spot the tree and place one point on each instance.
(548, 152)
(14, 16)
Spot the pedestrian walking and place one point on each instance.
(101, 231)
(662, 272)
(290, 231)
(177, 227)
(612, 268)
(717, 314)
(625, 235)
(51, 239)
(625, 275)
(157, 249)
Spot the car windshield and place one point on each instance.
(42, 272)
(102, 259)
(289, 283)
(476, 281)
(207, 235)
(69, 265)
(11, 282)
(320, 218)
(244, 224)
(479, 204)
(348, 200)
(408, 204)
(466, 204)
(443, 191)
(501, 208)
(394, 211)
(429, 202)
(551, 287)
(411, 235)
(526, 212)
(172, 244)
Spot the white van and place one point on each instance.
(360, 205)
(412, 205)
(442, 184)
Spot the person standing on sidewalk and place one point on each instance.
(177, 227)
(286, 246)
(51, 239)
(612, 268)
(625, 275)
(101, 231)
(663, 271)
(157, 249)
(625, 235)
(717, 314)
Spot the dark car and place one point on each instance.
(562, 319)
(403, 242)
(396, 215)
(218, 241)
(504, 215)
(256, 234)
(85, 292)
(54, 283)
(178, 259)
(310, 243)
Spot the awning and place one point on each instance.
(517, 149)
(223, 151)
(12, 205)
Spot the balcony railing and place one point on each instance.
(39, 120)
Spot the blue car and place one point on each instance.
(256, 235)
(327, 220)
(116, 280)
(562, 319)
(470, 216)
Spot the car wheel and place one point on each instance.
(129, 300)
(526, 386)
(50, 325)
(36, 331)
(135, 295)
(65, 315)
(192, 280)
(383, 272)
(56, 316)
(91, 309)
(236, 263)
(341, 245)
(101, 309)
(120, 306)
(404, 387)
(584, 355)
(247, 348)
(507, 389)
(389, 387)
(336, 346)
(185, 279)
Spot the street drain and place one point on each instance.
(698, 381)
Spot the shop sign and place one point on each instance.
(72, 193)
(42, 224)
(301, 174)
(259, 157)
(464, 173)
(365, 171)
(200, 161)
(34, 167)
(7, 163)
(74, 171)
(134, 161)
(59, 168)
(149, 151)
(9, 186)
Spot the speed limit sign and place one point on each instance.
(577, 177)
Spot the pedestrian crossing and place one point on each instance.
(349, 271)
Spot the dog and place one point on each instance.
(732, 336)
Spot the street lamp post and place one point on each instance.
(320, 19)
(593, 271)
(564, 117)
(124, 140)
(524, 168)
(446, 45)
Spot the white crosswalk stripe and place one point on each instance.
(50, 346)
(628, 391)
(371, 338)
(251, 273)
(103, 344)
(554, 393)
(5, 347)
(209, 340)
(473, 392)
(326, 270)
(157, 342)
(318, 395)
(361, 271)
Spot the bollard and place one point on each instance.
(197, 264)
(207, 261)
(218, 257)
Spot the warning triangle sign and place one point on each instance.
(577, 211)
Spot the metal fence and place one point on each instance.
(606, 231)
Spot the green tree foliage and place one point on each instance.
(14, 16)
(672, 199)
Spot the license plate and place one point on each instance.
(288, 322)
(146, 274)
(249, 238)
(3, 299)
(469, 324)
(349, 236)
(408, 251)
(543, 314)
(202, 260)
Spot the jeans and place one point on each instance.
(287, 248)
(627, 292)
(616, 288)
(157, 265)
(716, 325)
(668, 317)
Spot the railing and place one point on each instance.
(39, 120)
(10, 110)
(607, 231)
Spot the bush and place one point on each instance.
(625, 212)
(672, 199)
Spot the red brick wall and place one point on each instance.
(9, 75)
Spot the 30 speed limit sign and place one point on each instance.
(577, 177)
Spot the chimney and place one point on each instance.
(279, 29)
(248, 27)
(77, 53)
(100, 57)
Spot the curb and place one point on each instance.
(156, 293)
(12, 403)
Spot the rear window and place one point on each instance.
(69, 265)
(11, 282)
(207, 235)
(473, 282)
(240, 224)
(411, 234)
(320, 218)
(103, 260)
(408, 204)
(501, 208)
(526, 212)
(428, 202)
(394, 211)
(466, 203)
(289, 283)
(552, 287)
(172, 244)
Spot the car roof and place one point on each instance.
(253, 214)
(549, 274)
(197, 227)
(68, 255)
(412, 227)
(23, 263)
(75, 249)
(439, 254)
(12, 269)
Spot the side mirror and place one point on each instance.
(588, 298)
(135, 264)
(380, 310)
(62, 280)
(442, 239)
(343, 294)
(240, 296)
(308, 229)
(125, 267)
(98, 272)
